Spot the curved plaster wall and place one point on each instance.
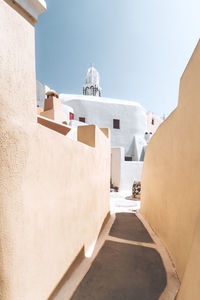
(170, 182)
(54, 191)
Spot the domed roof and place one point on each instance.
(92, 76)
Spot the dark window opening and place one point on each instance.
(116, 123)
(92, 90)
(128, 158)
(71, 116)
(82, 119)
(52, 95)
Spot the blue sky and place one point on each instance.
(139, 47)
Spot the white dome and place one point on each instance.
(92, 77)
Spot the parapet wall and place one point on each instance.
(170, 182)
(54, 191)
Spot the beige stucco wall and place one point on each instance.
(170, 181)
(56, 115)
(54, 192)
(51, 124)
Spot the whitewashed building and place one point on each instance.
(127, 120)
(153, 122)
(131, 126)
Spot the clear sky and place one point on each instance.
(139, 47)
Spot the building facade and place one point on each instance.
(126, 120)
(131, 126)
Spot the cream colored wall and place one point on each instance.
(170, 181)
(48, 114)
(116, 158)
(51, 124)
(56, 115)
(54, 192)
(190, 288)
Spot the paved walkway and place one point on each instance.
(129, 262)
(123, 270)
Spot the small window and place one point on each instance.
(128, 158)
(51, 95)
(71, 116)
(152, 122)
(116, 123)
(82, 119)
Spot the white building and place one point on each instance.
(153, 122)
(131, 126)
(127, 120)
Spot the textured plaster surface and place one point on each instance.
(54, 114)
(52, 103)
(54, 192)
(171, 180)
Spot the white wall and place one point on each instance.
(101, 111)
(41, 89)
(157, 121)
(123, 173)
(116, 158)
(130, 171)
(75, 123)
(67, 109)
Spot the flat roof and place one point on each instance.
(68, 97)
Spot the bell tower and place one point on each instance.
(92, 86)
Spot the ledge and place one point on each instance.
(32, 7)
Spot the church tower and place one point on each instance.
(91, 86)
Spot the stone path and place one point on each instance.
(123, 270)
(129, 227)
(129, 261)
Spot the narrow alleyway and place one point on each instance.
(123, 269)
(129, 262)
